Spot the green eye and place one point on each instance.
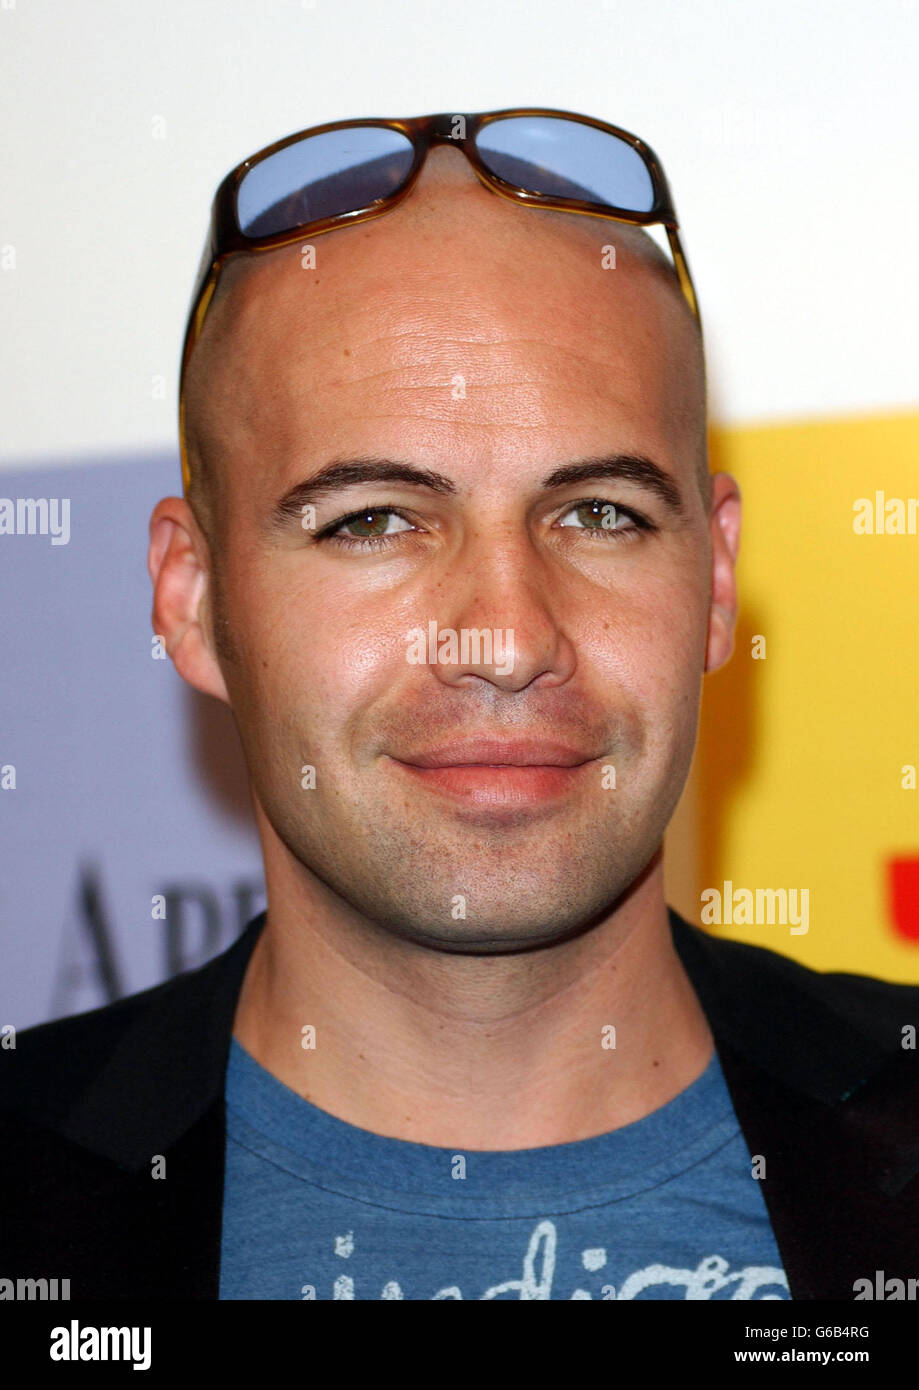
(366, 529)
(596, 515)
(373, 522)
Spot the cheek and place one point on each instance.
(311, 665)
(645, 646)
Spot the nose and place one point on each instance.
(501, 624)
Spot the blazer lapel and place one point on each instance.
(156, 1110)
(832, 1111)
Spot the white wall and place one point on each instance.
(789, 130)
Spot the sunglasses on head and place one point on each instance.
(346, 171)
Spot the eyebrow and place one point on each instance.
(630, 468)
(342, 474)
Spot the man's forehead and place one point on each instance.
(390, 312)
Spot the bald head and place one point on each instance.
(452, 273)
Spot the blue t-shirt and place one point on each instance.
(665, 1208)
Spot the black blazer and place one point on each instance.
(822, 1085)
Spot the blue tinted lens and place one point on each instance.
(565, 159)
(322, 176)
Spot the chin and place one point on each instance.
(492, 931)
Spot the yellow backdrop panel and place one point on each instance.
(805, 774)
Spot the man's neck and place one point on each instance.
(475, 1052)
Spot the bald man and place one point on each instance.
(452, 555)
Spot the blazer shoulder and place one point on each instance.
(173, 1034)
(870, 1001)
(770, 981)
(52, 1062)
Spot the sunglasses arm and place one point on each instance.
(682, 270)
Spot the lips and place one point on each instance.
(499, 752)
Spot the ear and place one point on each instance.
(179, 565)
(724, 528)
